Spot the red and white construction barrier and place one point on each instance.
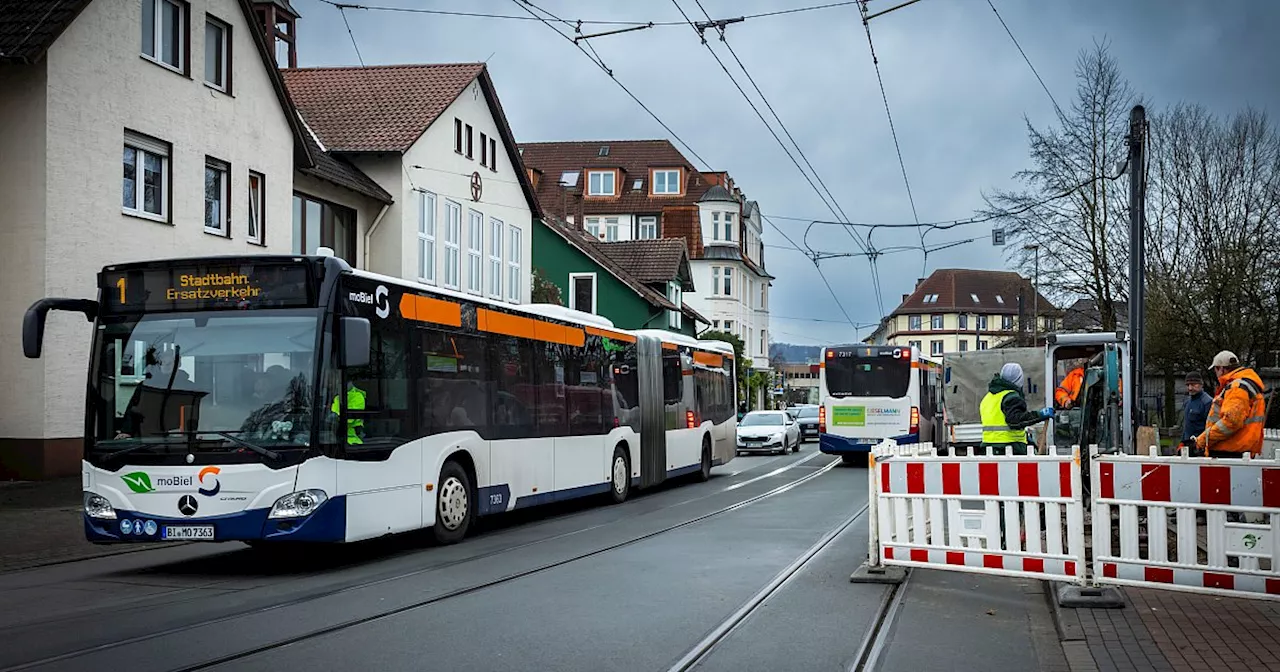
(1236, 557)
(980, 514)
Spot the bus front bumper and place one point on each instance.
(843, 445)
(326, 524)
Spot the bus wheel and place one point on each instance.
(704, 473)
(454, 510)
(620, 481)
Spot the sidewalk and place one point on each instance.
(41, 524)
(1172, 631)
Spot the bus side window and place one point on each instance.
(453, 388)
(377, 395)
(672, 379)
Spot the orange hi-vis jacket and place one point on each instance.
(1237, 415)
(1070, 387)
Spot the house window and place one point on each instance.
(982, 323)
(676, 296)
(468, 139)
(427, 237)
(935, 322)
(648, 228)
(913, 323)
(764, 340)
(666, 182)
(493, 155)
(217, 54)
(764, 296)
(513, 265)
(146, 177)
(495, 258)
(935, 347)
(715, 324)
(475, 231)
(484, 150)
(452, 236)
(318, 223)
(729, 328)
(715, 226)
(982, 345)
(999, 299)
(257, 207)
(918, 345)
(1049, 324)
(728, 281)
(164, 33)
(962, 320)
(593, 226)
(569, 178)
(964, 345)
(728, 227)
(974, 297)
(611, 228)
(600, 183)
(582, 292)
(1006, 322)
(217, 195)
(457, 135)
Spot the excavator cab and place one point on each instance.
(1101, 416)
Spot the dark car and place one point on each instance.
(807, 418)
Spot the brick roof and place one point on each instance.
(684, 222)
(633, 158)
(956, 287)
(383, 108)
(29, 27)
(651, 261)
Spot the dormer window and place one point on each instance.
(601, 183)
(569, 178)
(999, 299)
(604, 151)
(930, 298)
(975, 298)
(666, 182)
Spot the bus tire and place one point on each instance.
(704, 473)
(455, 504)
(619, 475)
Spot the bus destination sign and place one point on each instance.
(207, 287)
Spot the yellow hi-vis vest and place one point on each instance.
(995, 429)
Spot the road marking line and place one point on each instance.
(775, 472)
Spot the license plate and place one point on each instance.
(201, 532)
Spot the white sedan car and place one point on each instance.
(770, 431)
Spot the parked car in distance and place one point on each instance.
(768, 431)
(807, 418)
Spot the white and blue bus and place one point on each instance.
(873, 393)
(295, 399)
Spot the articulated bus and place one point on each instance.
(873, 393)
(292, 398)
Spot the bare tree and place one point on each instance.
(1213, 229)
(1071, 206)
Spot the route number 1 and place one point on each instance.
(120, 285)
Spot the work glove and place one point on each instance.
(1046, 412)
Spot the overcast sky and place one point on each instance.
(957, 87)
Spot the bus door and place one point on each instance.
(653, 425)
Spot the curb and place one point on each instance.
(1075, 648)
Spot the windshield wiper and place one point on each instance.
(138, 446)
(265, 452)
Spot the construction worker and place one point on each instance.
(1004, 413)
(1068, 393)
(1196, 411)
(1234, 426)
(355, 402)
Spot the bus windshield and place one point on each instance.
(180, 383)
(868, 376)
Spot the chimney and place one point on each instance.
(279, 24)
(918, 281)
(905, 297)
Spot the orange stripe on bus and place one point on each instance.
(426, 309)
(670, 346)
(524, 327)
(611, 334)
(708, 359)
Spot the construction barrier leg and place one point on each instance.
(873, 571)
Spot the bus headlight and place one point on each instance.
(97, 506)
(298, 504)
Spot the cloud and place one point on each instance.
(957, 87)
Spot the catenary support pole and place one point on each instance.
(1137, 260)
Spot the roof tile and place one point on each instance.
(649, 261)
(955, 289)
(29, 27)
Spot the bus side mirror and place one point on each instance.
(33, 320)
(356, 341)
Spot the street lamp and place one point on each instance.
(1035, 286)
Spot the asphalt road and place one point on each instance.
(748, 571)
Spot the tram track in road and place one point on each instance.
(876, 641)
(417, 604)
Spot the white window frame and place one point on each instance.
(676, 295)
(256, 230)
(764, 296)
(611, 229)
(594, 189)
(223, 227)
(592, 226)
(573, 294)
(937, 322)
(983, 345)
(427, 237)
(764, 339)
(915, 323)
(715, 225)
(964, 345)
(982, 323)
(729, 327)
(496, 228)
(1006, 323)
(962, 321)
(514, 259)
(475, 250)
(144, 146)
(728, 281)
(728, 227)
(671, 183)
(224, 44)
(715, 281)
(642, 223)
(158, 35)
(918, 345)
(936, 347)
(452, 245)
